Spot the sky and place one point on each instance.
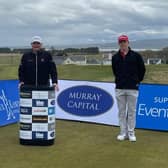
(61, 22)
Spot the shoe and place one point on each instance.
(121, 137)
(132, 137)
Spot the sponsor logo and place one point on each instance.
(51, 94)
(8, 107)
(26, 110)
(25, 94)
(51, 119)
(26, 135)
(51, 126)
(51, 110)
(52, 134)
(39, 111)
(25, 102)
(85, 100)
(40, 119)
(39, 135)
(25, 118)
(40, 103)
(51, 103)
(40, 127)
(42, 60)
(40, 94)
(24, 126)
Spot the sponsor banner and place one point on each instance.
(39, 111)
(26, 135)
(51, 110)
(39, 135)
(9, 102)
(26, 110)
(87, 101)
(25, 126)
(51, 135)
(39, 127)
(25, 118)
(40, 103)
(25, 102)
(40, 95)
(152, 107)
(39, 119)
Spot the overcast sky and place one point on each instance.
(81, 21)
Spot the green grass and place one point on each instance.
(10, 59)
(154, 73)
(91, 73)
(8, 72)
(83, 145)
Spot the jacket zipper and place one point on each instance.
(36, 69)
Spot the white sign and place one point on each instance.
(87, 101)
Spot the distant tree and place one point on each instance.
(5, 50)
(21, 50)
(165, 49)
(90, 50)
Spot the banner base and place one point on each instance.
(37, 142)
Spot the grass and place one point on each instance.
(154, 73)
(8, 72)
(9, 59)
(91, 73)
(84, 145)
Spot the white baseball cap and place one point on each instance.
(36, 39)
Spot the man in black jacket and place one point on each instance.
(129, 70)
(37, 66)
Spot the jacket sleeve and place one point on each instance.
(141, 68)
(113, 66)
(53, 70)
(21, 70)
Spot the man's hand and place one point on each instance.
(56, 86)
(20, 84)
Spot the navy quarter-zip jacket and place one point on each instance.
(128, 71)
(37, 67)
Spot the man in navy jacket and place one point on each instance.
(37, 66)
(129, 70)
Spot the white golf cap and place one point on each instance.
(36, 39)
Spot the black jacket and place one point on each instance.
(128, 71)
(38, 67)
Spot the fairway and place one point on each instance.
(84, 145)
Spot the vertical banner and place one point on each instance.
(9, 102)
(152, 107)
(37, 113)
(87, 101)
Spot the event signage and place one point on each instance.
(9, 102)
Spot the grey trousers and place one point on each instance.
(126, 100)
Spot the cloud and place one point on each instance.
(81, 21)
